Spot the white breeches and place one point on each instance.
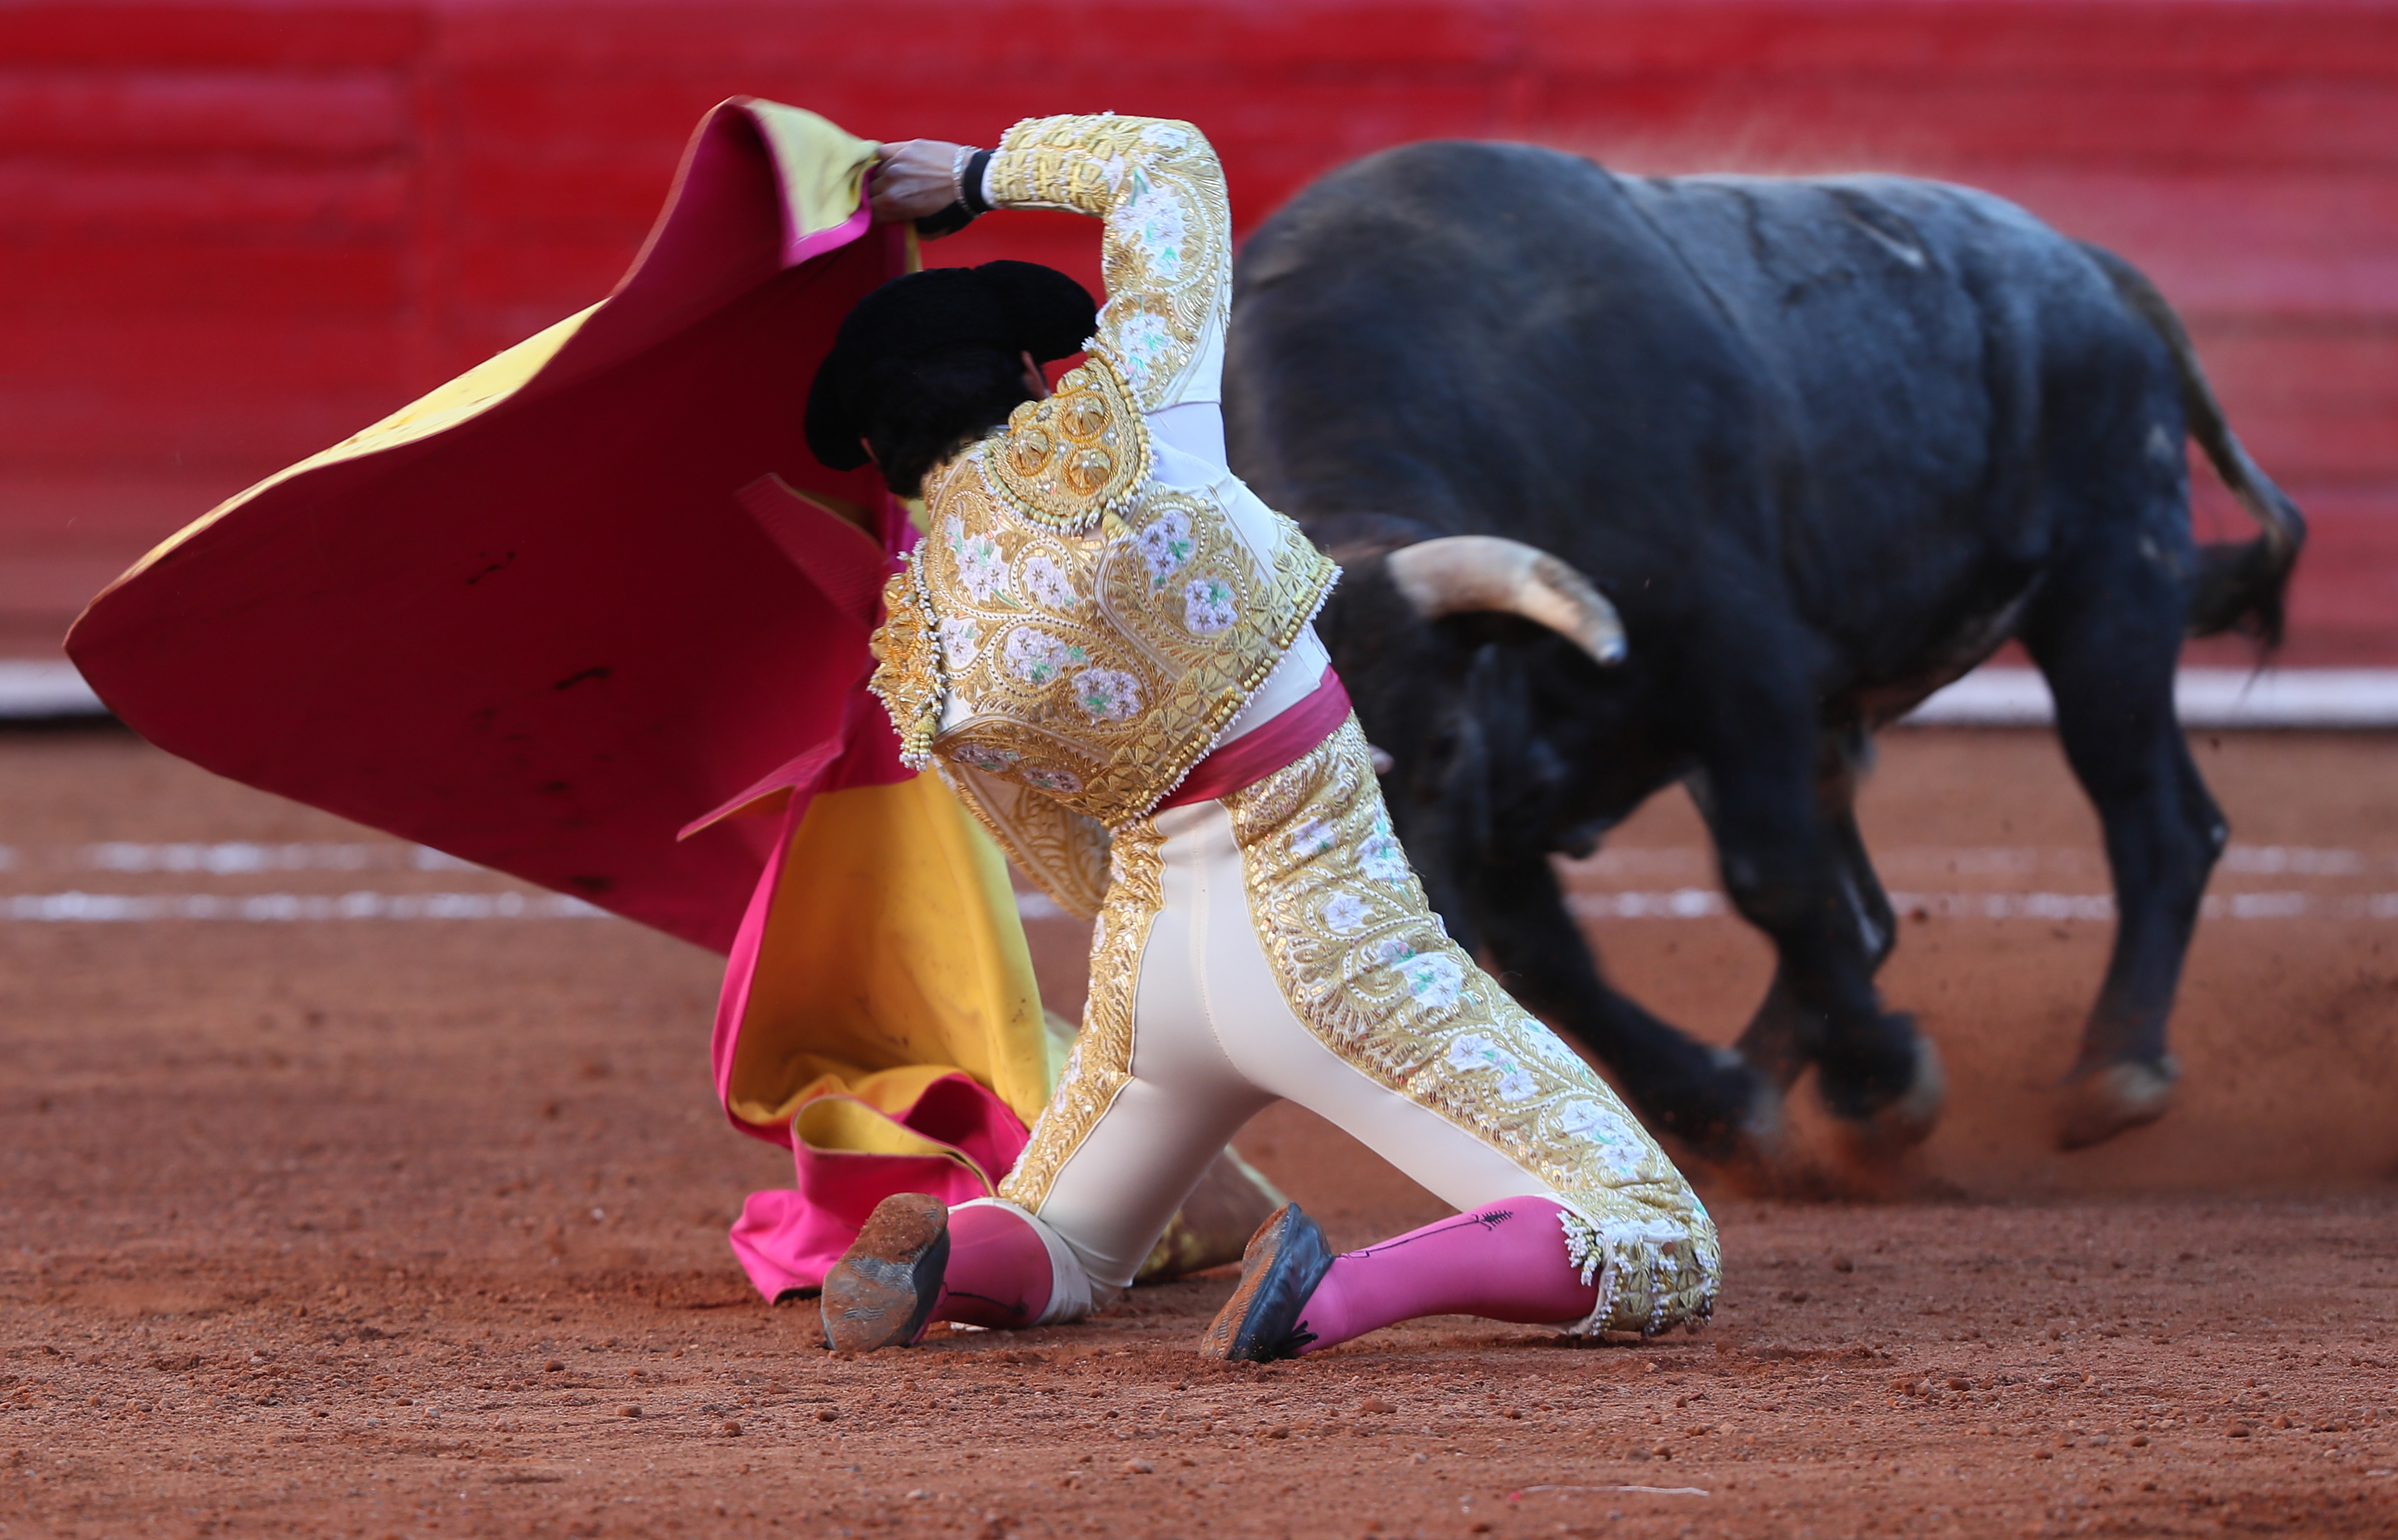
(1276, 944)
(1213, 1042)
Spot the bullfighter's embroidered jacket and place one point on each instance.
(1092, 608)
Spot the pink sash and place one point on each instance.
(1281, 742)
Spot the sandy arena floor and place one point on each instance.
(415, 1225)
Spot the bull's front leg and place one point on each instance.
(1705, 1097)
(1778, 1042)
(1783, 868)
(1782, 1034)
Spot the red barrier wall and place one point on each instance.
(232, 233)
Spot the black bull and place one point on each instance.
(1823, 444)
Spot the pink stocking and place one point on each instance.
(1506, 1261)
(999, 1271)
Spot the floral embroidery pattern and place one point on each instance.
(982, 572)
(1163, 693)
(1548, 1045)
(1107, 695)
(1102, 1056)
(1364, 964)
(987, 757)
(960, 642)
(1165, 544)
(1207, 606)
(1144, 342)
(1037, 657)
(1344, 912)
(1064, 853)
(1153, 219)
(1380, 854)
(1434, 977)
(1475, 1051)
(1620, 1146)
(1046, 583)
(1051, 777)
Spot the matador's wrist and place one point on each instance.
(966, 203)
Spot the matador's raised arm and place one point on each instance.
(1167, 256)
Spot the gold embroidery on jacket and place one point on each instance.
(1068, 462)
(908, 671)
(1364, 963)
(1100, 666)
(1063, 852)
(1167, 255)
(1101, 1061)
(1068, 624)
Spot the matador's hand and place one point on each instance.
(914, 179)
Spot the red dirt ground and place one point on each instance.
(375, 1228)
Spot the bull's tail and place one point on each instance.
(2240, 584)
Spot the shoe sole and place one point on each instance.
(1220, 1342)
(882, 1291)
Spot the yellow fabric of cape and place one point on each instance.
(891, 954)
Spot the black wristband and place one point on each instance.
(970, 192)
(949, 221)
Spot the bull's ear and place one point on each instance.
(1465, 574)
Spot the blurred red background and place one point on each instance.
(231, 233)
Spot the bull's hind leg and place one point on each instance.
(2107, 643)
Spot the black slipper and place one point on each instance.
(882, 1290)
(1284, 1263)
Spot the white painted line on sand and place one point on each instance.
(233, 857)
(239, 857)
(1687, 903)
(36, 688)
(33, 688)
(1669, 863)
(2204, 697)
(1698, 904)
(288, 907)
(1653, 1492)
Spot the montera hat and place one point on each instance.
(1010, 307)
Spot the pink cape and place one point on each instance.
(594, 594)
(548, 635)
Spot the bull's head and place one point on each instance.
(1462, 652)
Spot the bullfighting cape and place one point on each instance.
(591, 615)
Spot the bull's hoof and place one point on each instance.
(1751, 1149)
(2101, 1103)
(1726, 1116)
(1907, 1119)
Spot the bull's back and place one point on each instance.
(1830, 374)
(1466, 334)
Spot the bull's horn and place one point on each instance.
(1461, 573)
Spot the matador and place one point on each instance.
(1104, 645)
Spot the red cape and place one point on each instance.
(531, 620)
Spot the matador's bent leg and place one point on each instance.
(1331, 983)
(1276, 944)
(1131, 1128)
